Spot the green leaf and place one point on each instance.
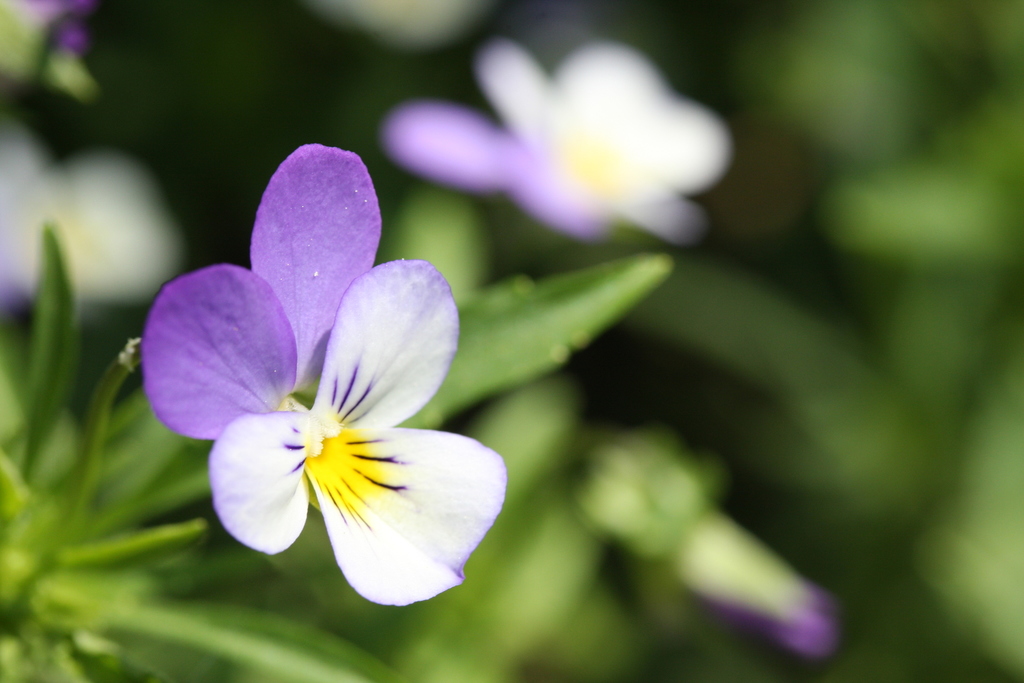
(12, 414)
(141, 546)
(53, 347)
(13, 492)
(289, 650)
(102, 661)
(182, 481)
(520, 330)
(139, 451)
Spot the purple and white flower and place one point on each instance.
(225, 348)
(604, 139)
(120, 240)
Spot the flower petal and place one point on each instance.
(404, 508)
(667, 215)
(447, 143)
(121, 242)
(515, 85)
(256, 476)
(612, 93)
(547, 194)
(216, 345)
(316, 230)
(811, 630)
(394, 338)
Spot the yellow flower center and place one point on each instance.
(596, 165)
(354, 469)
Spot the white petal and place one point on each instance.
(393, 339)
(23, 162)
(666, 215)
(256, 475)
(404, 508)
(515, 85)
(587, 77)
(120, 241)
(129, 242)
(691, 146)
(613, 95)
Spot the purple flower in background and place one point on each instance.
(604, 139)
(646, 490)
(811, 630)
(745, 584)
(225, 347)
(65, 20)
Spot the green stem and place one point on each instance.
(89, 464)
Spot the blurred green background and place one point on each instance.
(847, 343)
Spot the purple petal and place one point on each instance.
(216, 345)
(317, 229)
(72, 36)
(256, 479)
(811, 631)
(82, 7)
(548, 195)
(395, 337)
(447, 143)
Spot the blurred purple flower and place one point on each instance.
(72, 36)
(225, 347)
(811, 630)
(748, 586)
(605, 139)
(65, 20)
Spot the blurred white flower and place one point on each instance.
(412, 24)
(604, 138)
(120, 242)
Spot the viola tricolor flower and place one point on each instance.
(605, 139)
(118, 236)
(225, 348)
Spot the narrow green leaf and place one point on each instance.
(182, 480)
(139, 451)
(519, 330)
(141, 546)
(53, 346)
(13, 492)
(12, 414)
(277, 646)
(103, 662)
